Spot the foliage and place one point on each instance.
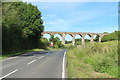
(67, 42)
(15, 53)
(96, 38)
(57, 42)
(78, 41)
(111, 36)
(44, 42)
(98, 60)
(105, 32)
(54, 40)
(21, 26)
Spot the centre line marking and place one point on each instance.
(40, 57)
(31, 62)
(30, 57)
(9, 74)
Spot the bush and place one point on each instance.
(111, 36)
(102, 57)
(21, 26)
(56, 46)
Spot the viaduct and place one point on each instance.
(73, 34)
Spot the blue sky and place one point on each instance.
(79, 16)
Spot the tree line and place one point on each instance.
(21, 26)
(111, 36)
(56, 41)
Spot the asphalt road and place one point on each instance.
(41, 64)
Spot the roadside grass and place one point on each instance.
(10, 54)
(68, 45)
(98, 60)
(52, 48)
(7, 55)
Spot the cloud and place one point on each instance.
(71, 23)
(79, 17)
(57, 25)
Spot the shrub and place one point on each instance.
(111, 36)
(102, 57)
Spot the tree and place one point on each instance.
(44, 43)
(22, 26)
(111, 36)
(56, 41)
(97, 38)
(105, 32)
(78, 41)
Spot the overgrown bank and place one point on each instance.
(99, 60)
(10, 54)
(17, 53)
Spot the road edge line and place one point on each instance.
(63, 66)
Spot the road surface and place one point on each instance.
(41, 64)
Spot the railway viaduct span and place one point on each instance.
(73, 34)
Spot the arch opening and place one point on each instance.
(47, 36)
(96, 38)
(58, 36)
(78, 39)
(68, 39)
(87, 38)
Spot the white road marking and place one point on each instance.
(40, 57)
(63, 66)
(30, 57)
(9, 74)
(31, 62)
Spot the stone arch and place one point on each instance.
(79, 35)
(72, 34)
(60, 36)
(78, 39)
(101, 37)
(96, 37)
(87, 38)
(68, 36)
(89, 35)
(47, 34)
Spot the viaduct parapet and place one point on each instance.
(73, 34)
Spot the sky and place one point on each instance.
(96, 17)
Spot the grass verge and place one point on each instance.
(98, 60)
(7, 55)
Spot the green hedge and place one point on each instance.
(21, 26)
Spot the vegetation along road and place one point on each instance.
(22, 28)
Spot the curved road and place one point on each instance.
(41, 64)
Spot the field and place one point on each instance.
(98, 60)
